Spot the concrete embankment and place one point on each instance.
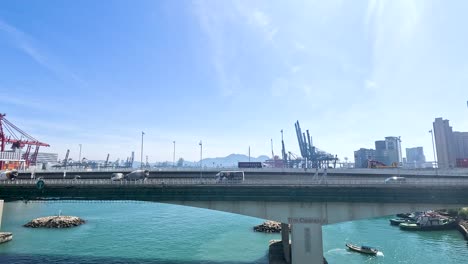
(55, 222)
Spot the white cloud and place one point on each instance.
(259, 18)
(370, 85)
(24, 43)
(295, 68)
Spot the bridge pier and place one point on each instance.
(306, 243)
(285, 242)
(1, 213)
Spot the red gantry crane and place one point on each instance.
(11, 134)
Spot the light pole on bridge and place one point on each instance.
(433, 151)
(79, 155)
(201, 158)
(141, 159)
(173, 155)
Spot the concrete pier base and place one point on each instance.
(285, 242)
(1, 213)
(306, 243)
(275, 252)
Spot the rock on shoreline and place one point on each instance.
(55, 222)
(268, 227)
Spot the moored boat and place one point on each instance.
(397, 221)
(5, 237)
(362, 249)
(429, 223)
(404, 215)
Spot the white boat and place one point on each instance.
(5, 237)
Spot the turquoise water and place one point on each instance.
(140, 232)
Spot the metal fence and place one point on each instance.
(344, 171)
(426, 182)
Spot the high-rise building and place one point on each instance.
(451, 146)
(461, 148)
(415, 157)
(388, 151)
(445, 143)
(362, 156)
(461, 144)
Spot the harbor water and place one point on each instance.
(144, 232)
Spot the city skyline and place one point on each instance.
(231, 75)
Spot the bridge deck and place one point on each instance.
(278, 191)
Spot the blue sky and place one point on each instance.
(232, 74)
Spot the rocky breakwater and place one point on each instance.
(55, 222)
(268, 227)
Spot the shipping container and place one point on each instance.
(249, 164)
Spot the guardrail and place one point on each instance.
(211, 181)
(384, 171)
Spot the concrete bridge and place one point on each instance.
(264, 173)
(305, 204)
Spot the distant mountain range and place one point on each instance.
(228, 161)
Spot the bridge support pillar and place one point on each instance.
(1, 213)
(306, 243)
(285, 242)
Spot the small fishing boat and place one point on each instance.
(397, 221)
(429, 222)
(5, 237)
(404, 215)
(362, 249)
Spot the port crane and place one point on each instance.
(316, 157)
(107, 160)
(283, 150)
(18, 139)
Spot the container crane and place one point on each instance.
(283, 150)
(65, 160)
(18, 140)
(107, 160)
(312, 154)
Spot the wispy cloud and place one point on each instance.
(210, 22)
(24, 42)
(217, 20)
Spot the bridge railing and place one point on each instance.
(255, 182)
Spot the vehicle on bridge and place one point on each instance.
(137, 175)
(118, 176)
(230, 176)
(8, 175)
(250, 165)
(395, 179)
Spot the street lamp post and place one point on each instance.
(173, 155)
(79, 157)
(433, 151)
(141, 159)
(201, 157)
